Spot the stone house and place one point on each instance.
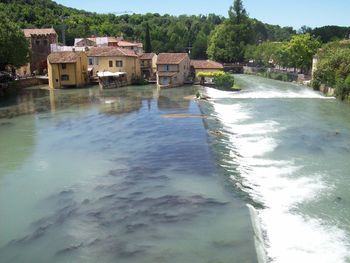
(67, 69)
(173, 69)
(40, 40)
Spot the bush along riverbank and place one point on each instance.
(272, 74)
(218, 80)
(333, 70)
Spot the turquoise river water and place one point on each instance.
(141, 175)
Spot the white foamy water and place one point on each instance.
(266, 94)
(282, 231)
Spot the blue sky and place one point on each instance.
(285, 13)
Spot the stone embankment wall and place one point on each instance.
(15, 86)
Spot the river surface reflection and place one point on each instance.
(118, 175)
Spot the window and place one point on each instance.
(119, 63)
(166, 67)
(45, 42)
(91, 61)
(37, 42)
(64, 66)
(64, 77)
(110, 63)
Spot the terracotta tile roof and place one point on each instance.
(166, 74)
(39, 31)
(206, 64)
(147, 56)
(64, 57)
(123, 43)
(171, 58)
(110, 52)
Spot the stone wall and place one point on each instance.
(15, 86)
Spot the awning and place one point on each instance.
(110, 74)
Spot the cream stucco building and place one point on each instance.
(114, 59)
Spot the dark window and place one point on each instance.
(64, 66)
(119, 64)
(91, 61)
(167, 67)
(64, 77)
(110, 63)
(37, 42)
(45, 42)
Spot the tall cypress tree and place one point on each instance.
(148, 45)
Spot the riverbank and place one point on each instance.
(14, 87)
(288, 77)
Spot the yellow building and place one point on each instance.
(67, 69)
(148, 65)
(114, 59)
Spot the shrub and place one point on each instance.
(225, 81)
(210, 74)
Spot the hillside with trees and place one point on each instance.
(229, 39)
(166, 33)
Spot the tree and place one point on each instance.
(14, 47)
(237, 13)
(199, 48)
(148, 45)
(300, 51)
(228, 41)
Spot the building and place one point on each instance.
(205, 66)
(135, 46)
(67, 69)
(148, 65)
(173, 69)
(109, 42)
(40, 41)
(114, 59)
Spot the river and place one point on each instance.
(141, 175)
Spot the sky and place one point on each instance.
(295, 13)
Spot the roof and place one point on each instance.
(39, 31)
(206, 64)
(147, 56)
(166, 74)
(64, 57)
(171, 58)
(123, 43)
(110, 52)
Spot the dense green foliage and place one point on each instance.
(296, 53)
(148, 45)
(210, 74)
(12, 39)
(331, 33)
(333, 68)
(263, 54)
(223, 39)
(167, 33)
(224, 81)
(229, 40)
